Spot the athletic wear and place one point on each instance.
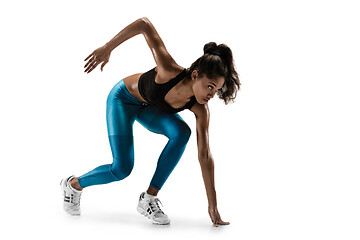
(149, 207)
(155, 93)
(121, 112)
(71, 197)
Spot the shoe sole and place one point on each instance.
(147, 215)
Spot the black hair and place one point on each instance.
(218, 61)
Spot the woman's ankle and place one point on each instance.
(75, 184)
(152, 191)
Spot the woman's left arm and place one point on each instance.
(206, 160)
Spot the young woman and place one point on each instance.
(154, 99)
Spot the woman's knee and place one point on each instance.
(121, 171)
(181, 131)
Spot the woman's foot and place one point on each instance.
(149, 207)
(72, 197)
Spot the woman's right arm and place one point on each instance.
(143, 26)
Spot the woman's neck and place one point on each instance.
(184, 88)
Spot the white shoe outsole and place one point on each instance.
(146, 214)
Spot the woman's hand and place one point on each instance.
(215, 217)
(100, 55)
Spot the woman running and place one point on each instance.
(154, 99)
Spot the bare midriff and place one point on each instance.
(131, 83)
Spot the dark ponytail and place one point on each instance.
(218, 61)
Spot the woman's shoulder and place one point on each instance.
(163, 75)
(201, 111)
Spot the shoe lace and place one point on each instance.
(154, 205)
(75, 199)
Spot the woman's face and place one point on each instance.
(205, 88)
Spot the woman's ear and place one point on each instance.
(194, 75)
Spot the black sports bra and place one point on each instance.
(154, 93)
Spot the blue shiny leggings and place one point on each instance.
(122, 109)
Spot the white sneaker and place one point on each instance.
(71, 197)
(149, 207)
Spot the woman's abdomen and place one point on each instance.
(131, 83)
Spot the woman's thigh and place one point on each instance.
(161, 122)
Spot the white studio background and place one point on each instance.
(286, 152)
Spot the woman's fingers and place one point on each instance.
(94, 61)
(217, 223)
(90, 61)
(221, 222)
(89, 56)
(216, 219)
(91, 67)
(100, 55)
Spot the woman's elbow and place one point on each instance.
(145, 21)
(145, 24)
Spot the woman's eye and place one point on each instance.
(210, 87)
